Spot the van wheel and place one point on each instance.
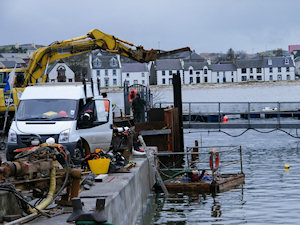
(78, 154)
(10, 156)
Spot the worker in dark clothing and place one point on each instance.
(138, 108)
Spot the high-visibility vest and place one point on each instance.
(106, 105)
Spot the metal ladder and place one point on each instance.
(151, 160)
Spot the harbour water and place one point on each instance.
(270, 194)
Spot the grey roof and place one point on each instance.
(197, 65)
(15, 55)
(222, 67)
(250, 63)
(16, 59)
(168, 64)
(279, 62)
(9, 64)
(195, 56)
(105, 60)
(134, 67)
(179, 55)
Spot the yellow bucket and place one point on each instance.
(99, 166)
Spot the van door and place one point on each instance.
(95, 124)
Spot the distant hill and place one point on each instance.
(19, 48)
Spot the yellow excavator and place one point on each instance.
(94, 39)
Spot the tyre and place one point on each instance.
(78, 153)
(10, 156)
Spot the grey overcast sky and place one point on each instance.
(203, 25)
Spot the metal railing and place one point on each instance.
(265, 115)
(215, 159)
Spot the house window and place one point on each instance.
(271, 77)
(232, 73)
(114, 72)
(205, 79)
(106, 82)
(98, 73)
(279, 69)
(288, 77)
(232, 80)
(217, 74)
(113, 62)
(106, 72)
(163, 81)
(170, 72)
(61, 74)
(251, 78)
(163, 73)
(244, 70)
(244, 78)
(127, 75)
(251, 70)
(143, 82)
(114, 82)
(135, 82)
(259, 77)
(271, 69)
(205, 71)
(286, 61)
(143, 74)
(191, 71)
(197, 72)
(218, 80)
(288, 69)
(191, 80)
(258, 70)
(279, 77)
(97, 62)
(178, 72)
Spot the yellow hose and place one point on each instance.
(51, 192)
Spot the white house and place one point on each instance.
(279, 68)
(135, 73)
(194, 71)
(223, 73)
(165, 68)
(60, 72)
(266, 69)
(106, 67)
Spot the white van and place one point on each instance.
(68, 112)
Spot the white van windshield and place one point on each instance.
(47, 109)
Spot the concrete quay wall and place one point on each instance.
(125, 195)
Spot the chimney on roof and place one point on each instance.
(269, 62)
(208, 61)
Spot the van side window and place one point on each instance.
(102, 108)
(90, 109)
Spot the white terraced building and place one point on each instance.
(135, 73)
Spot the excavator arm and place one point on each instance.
(95, 39)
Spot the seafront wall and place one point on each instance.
(125, 195)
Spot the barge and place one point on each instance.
(224, 182)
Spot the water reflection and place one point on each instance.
(270, 194)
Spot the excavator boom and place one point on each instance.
(95, 39)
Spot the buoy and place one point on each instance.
(287, 166)
(225, 119)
